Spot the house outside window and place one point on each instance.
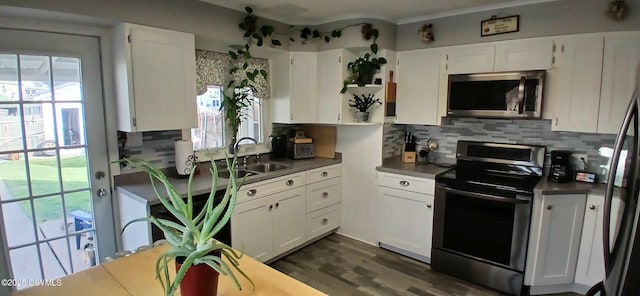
(211, 131)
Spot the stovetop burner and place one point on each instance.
(495, 168)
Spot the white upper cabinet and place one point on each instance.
(574, 83)
(418, 86)
(621, 60)
(155, 78)
(469, 59)
(331, 74)
(294, 78)
(526, 54)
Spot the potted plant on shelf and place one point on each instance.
(362, 69)
(199, 257)
(363, 103)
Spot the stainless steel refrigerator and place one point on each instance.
(622, 258)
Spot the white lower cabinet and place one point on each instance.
(590, 268)
(271, 225)
(556, 226)
(406, 214)
(268, 222)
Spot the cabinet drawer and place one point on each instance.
(322, 221)
(261, 189)
(324, 173)
(323, 193)
(420, 185)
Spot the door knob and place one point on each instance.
(101, 192)
(99, 175)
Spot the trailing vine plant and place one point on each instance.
(237, 97)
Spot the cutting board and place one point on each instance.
(390, 98)
(324, 138)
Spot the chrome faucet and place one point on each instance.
(236, 146)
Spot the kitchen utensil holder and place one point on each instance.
(408, 156)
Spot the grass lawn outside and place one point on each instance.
(45, 180)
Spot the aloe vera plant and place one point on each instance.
(192, 238)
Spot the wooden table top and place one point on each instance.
(135, 275)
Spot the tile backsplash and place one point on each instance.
(536, 132)
(157, 147)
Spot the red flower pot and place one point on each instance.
(200, 280)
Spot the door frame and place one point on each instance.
(95, 28)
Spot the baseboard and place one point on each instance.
(358, 239)
(406, 253)
(553, 289)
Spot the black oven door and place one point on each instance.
(486, 227)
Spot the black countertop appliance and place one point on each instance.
(560, 170)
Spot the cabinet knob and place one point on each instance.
(252, 192)
(325, 194)
(549, 207)
(592, 207)
(277, 204)
(556, 121)
(324, 174)
(428, 205)
(404, 183)
(270, 207)
(289, 182)
(324, 221)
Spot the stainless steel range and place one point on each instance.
(483, 211)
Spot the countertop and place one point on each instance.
(396, 166)
(135, 275)
(139, 186)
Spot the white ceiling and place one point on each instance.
(313, 12)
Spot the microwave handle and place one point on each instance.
(521, 95)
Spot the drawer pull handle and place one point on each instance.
(549, 207)
(404, 183)
(592, 207)
(324, 221)
(428, 205)
(289, 182)
(252, 192)
(324, 174)
(325, 194)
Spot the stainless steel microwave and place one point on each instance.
(496, 95)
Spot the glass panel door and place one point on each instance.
(52, 141)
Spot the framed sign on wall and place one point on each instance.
(501, 25)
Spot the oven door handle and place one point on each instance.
(485, 196)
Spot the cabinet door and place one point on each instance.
(164, 79)
(556, 237)
(289, 217)
(527, 54)
(621, 60)
(590, 266)
(252, 228)
(405, 220)
(575, 83)
(418, 83)
(331, 74)
(469, 59)
(303, 87)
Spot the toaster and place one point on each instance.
(301, 150)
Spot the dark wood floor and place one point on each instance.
(338, 265)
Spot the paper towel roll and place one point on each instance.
(184, 157)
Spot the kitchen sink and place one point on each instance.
(266, 167)
(238, 174)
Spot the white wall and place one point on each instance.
(361, 148)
